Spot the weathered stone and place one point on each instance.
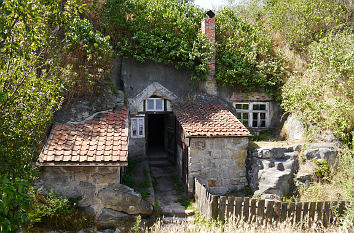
(122, 198)
(303, 179)
(293, 129)
(271, 169)
(328, 154)
(109, 218)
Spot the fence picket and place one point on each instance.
(253, 217)
(246, 207)
(305, 211)
(230, 207)
(326, 213)
(284, 211)
(214, 206)
(277, 211)
(238, 207)
(260, 211)
(291, 211)
(269, 211)
(298, 212)
(222, 207)
(312, 213)
(319, 211)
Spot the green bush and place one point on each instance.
(302, 21)
(245, 56)
(322, 170)
(14, 201)
(162, 31)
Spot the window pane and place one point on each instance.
(263, 115)
(262, 106)
(254, 124)
(238, 106)
(263, 124)
(245, 115)
(238, 115)
(159, 104)
(134, 127)
(255, 116)
(245, 122)
(245, 106)
(256, 107)
(141, 127)
(150, 104)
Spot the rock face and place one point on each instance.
(122, 198)
(98, 187)
(271, 169)
(293, 129)
(321, 152)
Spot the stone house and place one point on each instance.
(205, 135)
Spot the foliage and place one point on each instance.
(145, 195)
(51, 207)
(163, 31)
(262, 136)
(136, 226)
(14, 200)
(33, 35)
(322, 170)
(245, 58)
(303, 21)
(54, 212)
(329, 81)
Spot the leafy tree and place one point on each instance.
(34, 37)
(162, 31)
(245, 57)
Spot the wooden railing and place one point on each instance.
(266, 211)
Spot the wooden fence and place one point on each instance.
(266, 211)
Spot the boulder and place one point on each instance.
(271, 169)
(122, 198)
(328, 154)
(303, 179)
(293, 129)
(109, 218)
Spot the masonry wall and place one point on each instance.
(74, 182)
(133, 77)
(219, 163)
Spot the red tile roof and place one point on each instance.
(208, 120)
(101, 139)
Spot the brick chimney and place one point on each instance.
(208, 28)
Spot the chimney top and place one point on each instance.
(210, 13)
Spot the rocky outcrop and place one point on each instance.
(122, 198)
(271, 169)
(319, 151)
(293, 128)
(98, 187)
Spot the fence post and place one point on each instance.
(214, 206)
(222, 207)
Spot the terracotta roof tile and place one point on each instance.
(208, 120)
(100, 139)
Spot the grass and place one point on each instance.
(211, 226)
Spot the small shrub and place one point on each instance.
(262, 136)
(322, 170)
(145, 195)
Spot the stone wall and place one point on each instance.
(136, 148)
(101, 194)
(219, 163)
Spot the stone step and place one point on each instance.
(160, 163)
(177, 213)
(162, 158)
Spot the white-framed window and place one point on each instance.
(137, 127)
(252, 114)
(154, 104)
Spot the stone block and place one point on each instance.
(212, 183)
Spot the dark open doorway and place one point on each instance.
(156, 131)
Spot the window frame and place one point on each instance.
(139, 121)
(155, 109)
(250, 112)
